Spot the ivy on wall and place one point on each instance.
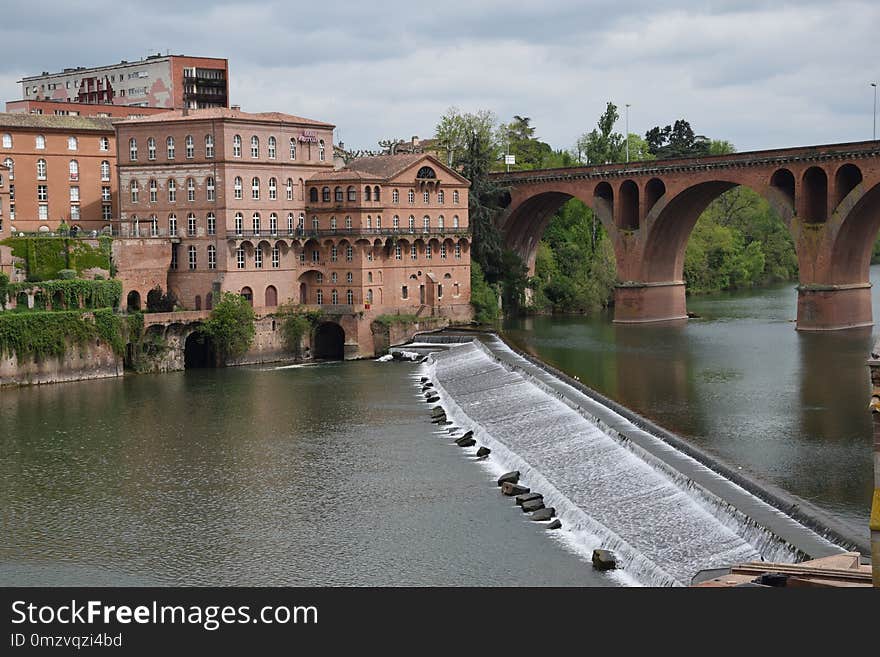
(68, 294)
(44, 257)
(42, 335)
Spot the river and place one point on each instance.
(740, 382)
(318, 475)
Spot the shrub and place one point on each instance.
(67, 274)
(231, 325)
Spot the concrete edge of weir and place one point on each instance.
(797, 508)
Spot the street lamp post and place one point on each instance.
(626, 136)
(874, 84)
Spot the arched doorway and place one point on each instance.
(199, 352)
(248, 294)
(329, 341)
(133, 301)
(271, 296)
(303, 293)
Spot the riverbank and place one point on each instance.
(729, 503)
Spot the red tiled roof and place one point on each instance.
(385, 166)
(227, 113)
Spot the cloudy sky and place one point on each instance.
(760, 74)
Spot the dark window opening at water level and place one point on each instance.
(329, 342)
(199, 352)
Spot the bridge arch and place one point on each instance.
(814, 199)
(628, 212)
(329, 341)
(199, 351)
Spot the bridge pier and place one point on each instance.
(833, 307)
(637, 303)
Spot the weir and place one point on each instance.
(614, 485)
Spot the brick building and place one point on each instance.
(4, 201)
(58, 168)
(167, 81)
(68, 108)
(251, 203)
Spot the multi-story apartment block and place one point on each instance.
(252, 204)
(67, 108)
(57, 168)
(169, 81)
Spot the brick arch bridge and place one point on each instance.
(827, 196)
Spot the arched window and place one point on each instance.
(290, 222)
(334, 253)
(313, 195)
(321, 150)
(337, 194)
(192, 256)
(348, 223)
(169, 147)
(40, 142)
(411, 196)
(349, 253)
(191, 224)
(72, 143)
(190, 145)
(428, 251)
(395, 196)
(7, 140)
(349, 297)
(256, 223)
(455, 197)
(455, 221)
(367, 193)
(209, 188)
(239, 223)
(41, 169)
(440, 222)
(271, 296)
(413, 252)
(426, 173)
(74, 170)
(441, 197)
(172, 225)
(151, 149)
(301, 222)
(334, 297)
(426, 197)
(352, 194)
(212, 256)
(209, 145)
(172, 190)
(426, 224)
(397, 252)
(412, 224)
(271, 147)
(273, 189)
(376, 193)
(315, 224)
(333, 224)
(105, 171)
(132, 149)
(443, 250)
(134, 188)
(239, 258)
(209, 298)
(395, 223)
(458, 250)
(258, 257)
(369, 296)
(293, 148)
(325, 194)
(273, 224)
(369, 277)
(320, 297)
(236, 187)
(212, 223)
(190, 189)
(289, 188)
(154, 191)
(154, 226)
(255, 188)
(236, 146)
(255, 146)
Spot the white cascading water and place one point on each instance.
(605, 492)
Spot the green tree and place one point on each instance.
(231, 325)
(484, 297)
(602, 145)
(677, 140)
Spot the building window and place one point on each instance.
(302, 256)
(376, 193)
(290, 189)
(172, 225)
(455, 197)
(276, 257)
(190, 189)
(255, 189)
(209, 145)
(133, 186)
(368, 196)
(212, 224)
(191, 224)
(258, 257)
(334, 297)
(395, 196)
(273, 224)
(237, 187)
(333, 224)
(292, 148)
(271, 147)
(441, 197)
(236, 146)
(412, 224)
(334, 253)
(426, 224)
(239, 258)
(443, 250)
(352, 194)
(190, 145)
(105, 171)
(174, 256)
(74, 193)
(411, 196)
(192, 257)
(349, 277)
(273, 189)
(40, 144)
(301, 222)
(348, 223)
(397, 253)
(106, 212)
(172, 190)
(404, 292)
(132, 149)
(255, 222)
(349, 253)
(7, 140)
(9, 164)
(151, 149)
(169, 147)
(71, 143)
(315, 224)
(439, 291)
(43, 212)
(42, 192)
(105, 194)
(239, 223)
(255, 146)
(316, 257)
(349, 297)
(369, 296)
(325, 194)
(458, 250)
(426, 197)
(74, 170)
(313, 195)
(320, 297)
(212, 256)
(321, 150)
(290, 223)
(440, 222)
(337, 194)
(209, 188)
(413, 252)
(428, 251)
(334, 277)
(41, 169)
(154, 226)
(455, 221)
